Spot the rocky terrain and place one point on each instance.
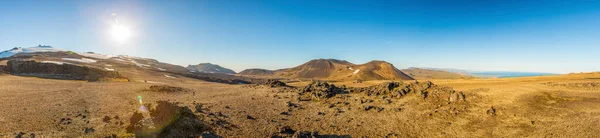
(163, 100)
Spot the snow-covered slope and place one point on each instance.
(17, 50)
(96, 55)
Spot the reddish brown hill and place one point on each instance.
(333, 69)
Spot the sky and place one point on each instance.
(554, 36)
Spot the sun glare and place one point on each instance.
(120, 33)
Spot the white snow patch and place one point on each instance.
(161, 69)
(169, 76)
(109, 69)
(350, 68)
(17, 50)
(356, 71)
(217, 69)
(82, 60)
(96, 56)
(118, 59)
(138, 64)
(108, 65)
(53, 62)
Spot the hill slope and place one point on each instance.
(256, 72)
(420, 73)
(209, 68)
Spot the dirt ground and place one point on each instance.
(549, 106)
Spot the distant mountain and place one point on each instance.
(341, 70)
(420, 73)
(508, 74)
(491, 74)
(451, 70)
(209, 68)
(18, 50)
(134, 68)
(256, 72)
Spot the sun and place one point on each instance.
(120, 33)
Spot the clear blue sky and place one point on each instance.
(556, 36)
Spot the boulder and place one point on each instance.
(169, 121)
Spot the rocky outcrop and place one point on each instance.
(60, 71)
(167, 120)
(424, 89)
(274, 83)
(318, 90)
(2, 69)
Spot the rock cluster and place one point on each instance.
(274, 83)
(318, 90)
(400, 89)
(388, 89)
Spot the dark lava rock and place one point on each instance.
(318, 90)
(286, 130)
(370, 107)
(19, 135)
(198, 107)
(491, 111)
(88, 130)
(209, 134)
(106, 119)
(274, 83)
(250, 117)
(305, 134)
(290, 104)
(111, 136)
(285, 113)
(168, 120)
(390, 89)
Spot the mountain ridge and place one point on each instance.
(210, 68)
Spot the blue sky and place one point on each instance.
(553, 36)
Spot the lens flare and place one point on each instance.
(142, 107)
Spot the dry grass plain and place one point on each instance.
(549, 106)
